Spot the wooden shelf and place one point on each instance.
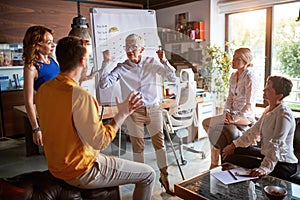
(11, 67)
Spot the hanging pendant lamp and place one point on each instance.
(80, 26)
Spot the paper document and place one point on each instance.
(233, 176)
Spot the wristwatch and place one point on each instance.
(36, 130)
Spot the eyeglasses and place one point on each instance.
(131, 48)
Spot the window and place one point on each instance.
(286, 48)
(270, 33)
(248, 29)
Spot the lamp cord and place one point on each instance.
(78, 8)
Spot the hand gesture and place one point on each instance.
(106, 56)
(228, 150)
(92, 74)
(257, 172)
(228, 118)
(132, 102)
(161, 55)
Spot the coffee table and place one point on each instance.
(206, 186)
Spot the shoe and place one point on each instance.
(165, 183)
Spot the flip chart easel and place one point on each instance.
(109, 28)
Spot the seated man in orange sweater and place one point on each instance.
(73, 133)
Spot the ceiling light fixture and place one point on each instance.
(80, 26)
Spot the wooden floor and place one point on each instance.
(13, 162)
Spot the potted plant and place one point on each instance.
(217, 63)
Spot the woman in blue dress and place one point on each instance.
(39, 67)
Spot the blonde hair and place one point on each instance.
(245, 54)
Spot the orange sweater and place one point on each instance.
(72, 131)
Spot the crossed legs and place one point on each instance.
(215, 152)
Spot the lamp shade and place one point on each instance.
(83, 33)
(80, 28)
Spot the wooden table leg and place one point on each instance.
(31, 148)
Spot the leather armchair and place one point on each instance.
(41, 185)
(296, 177)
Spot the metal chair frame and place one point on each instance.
(182, 114)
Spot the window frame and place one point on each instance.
(268, 39)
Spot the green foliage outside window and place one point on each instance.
(289, 57)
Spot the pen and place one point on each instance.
(233, 176)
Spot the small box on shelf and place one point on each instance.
(5, 58)
(4, 82)
(11, 54)
(199, 31)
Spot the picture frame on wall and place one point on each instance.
(181, 19)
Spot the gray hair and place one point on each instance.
(139, 40)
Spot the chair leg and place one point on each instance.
(173, 149)
(183, 161)
(194, 150)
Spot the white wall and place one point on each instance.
(205, 10)
(198, 11)
(217, 25)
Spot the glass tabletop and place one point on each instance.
(206, 186)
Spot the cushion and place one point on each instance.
(297, 136)
(41, 185)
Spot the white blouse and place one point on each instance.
(241, 98)
(275, 130)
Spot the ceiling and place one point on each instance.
(158, 4)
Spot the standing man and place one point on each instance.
(73, 133)
(142, 74)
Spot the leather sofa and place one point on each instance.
(296, 177)
(41, 185)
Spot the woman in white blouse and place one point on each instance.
(240, 103)
(275, 129)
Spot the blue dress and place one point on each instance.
(46, 72)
